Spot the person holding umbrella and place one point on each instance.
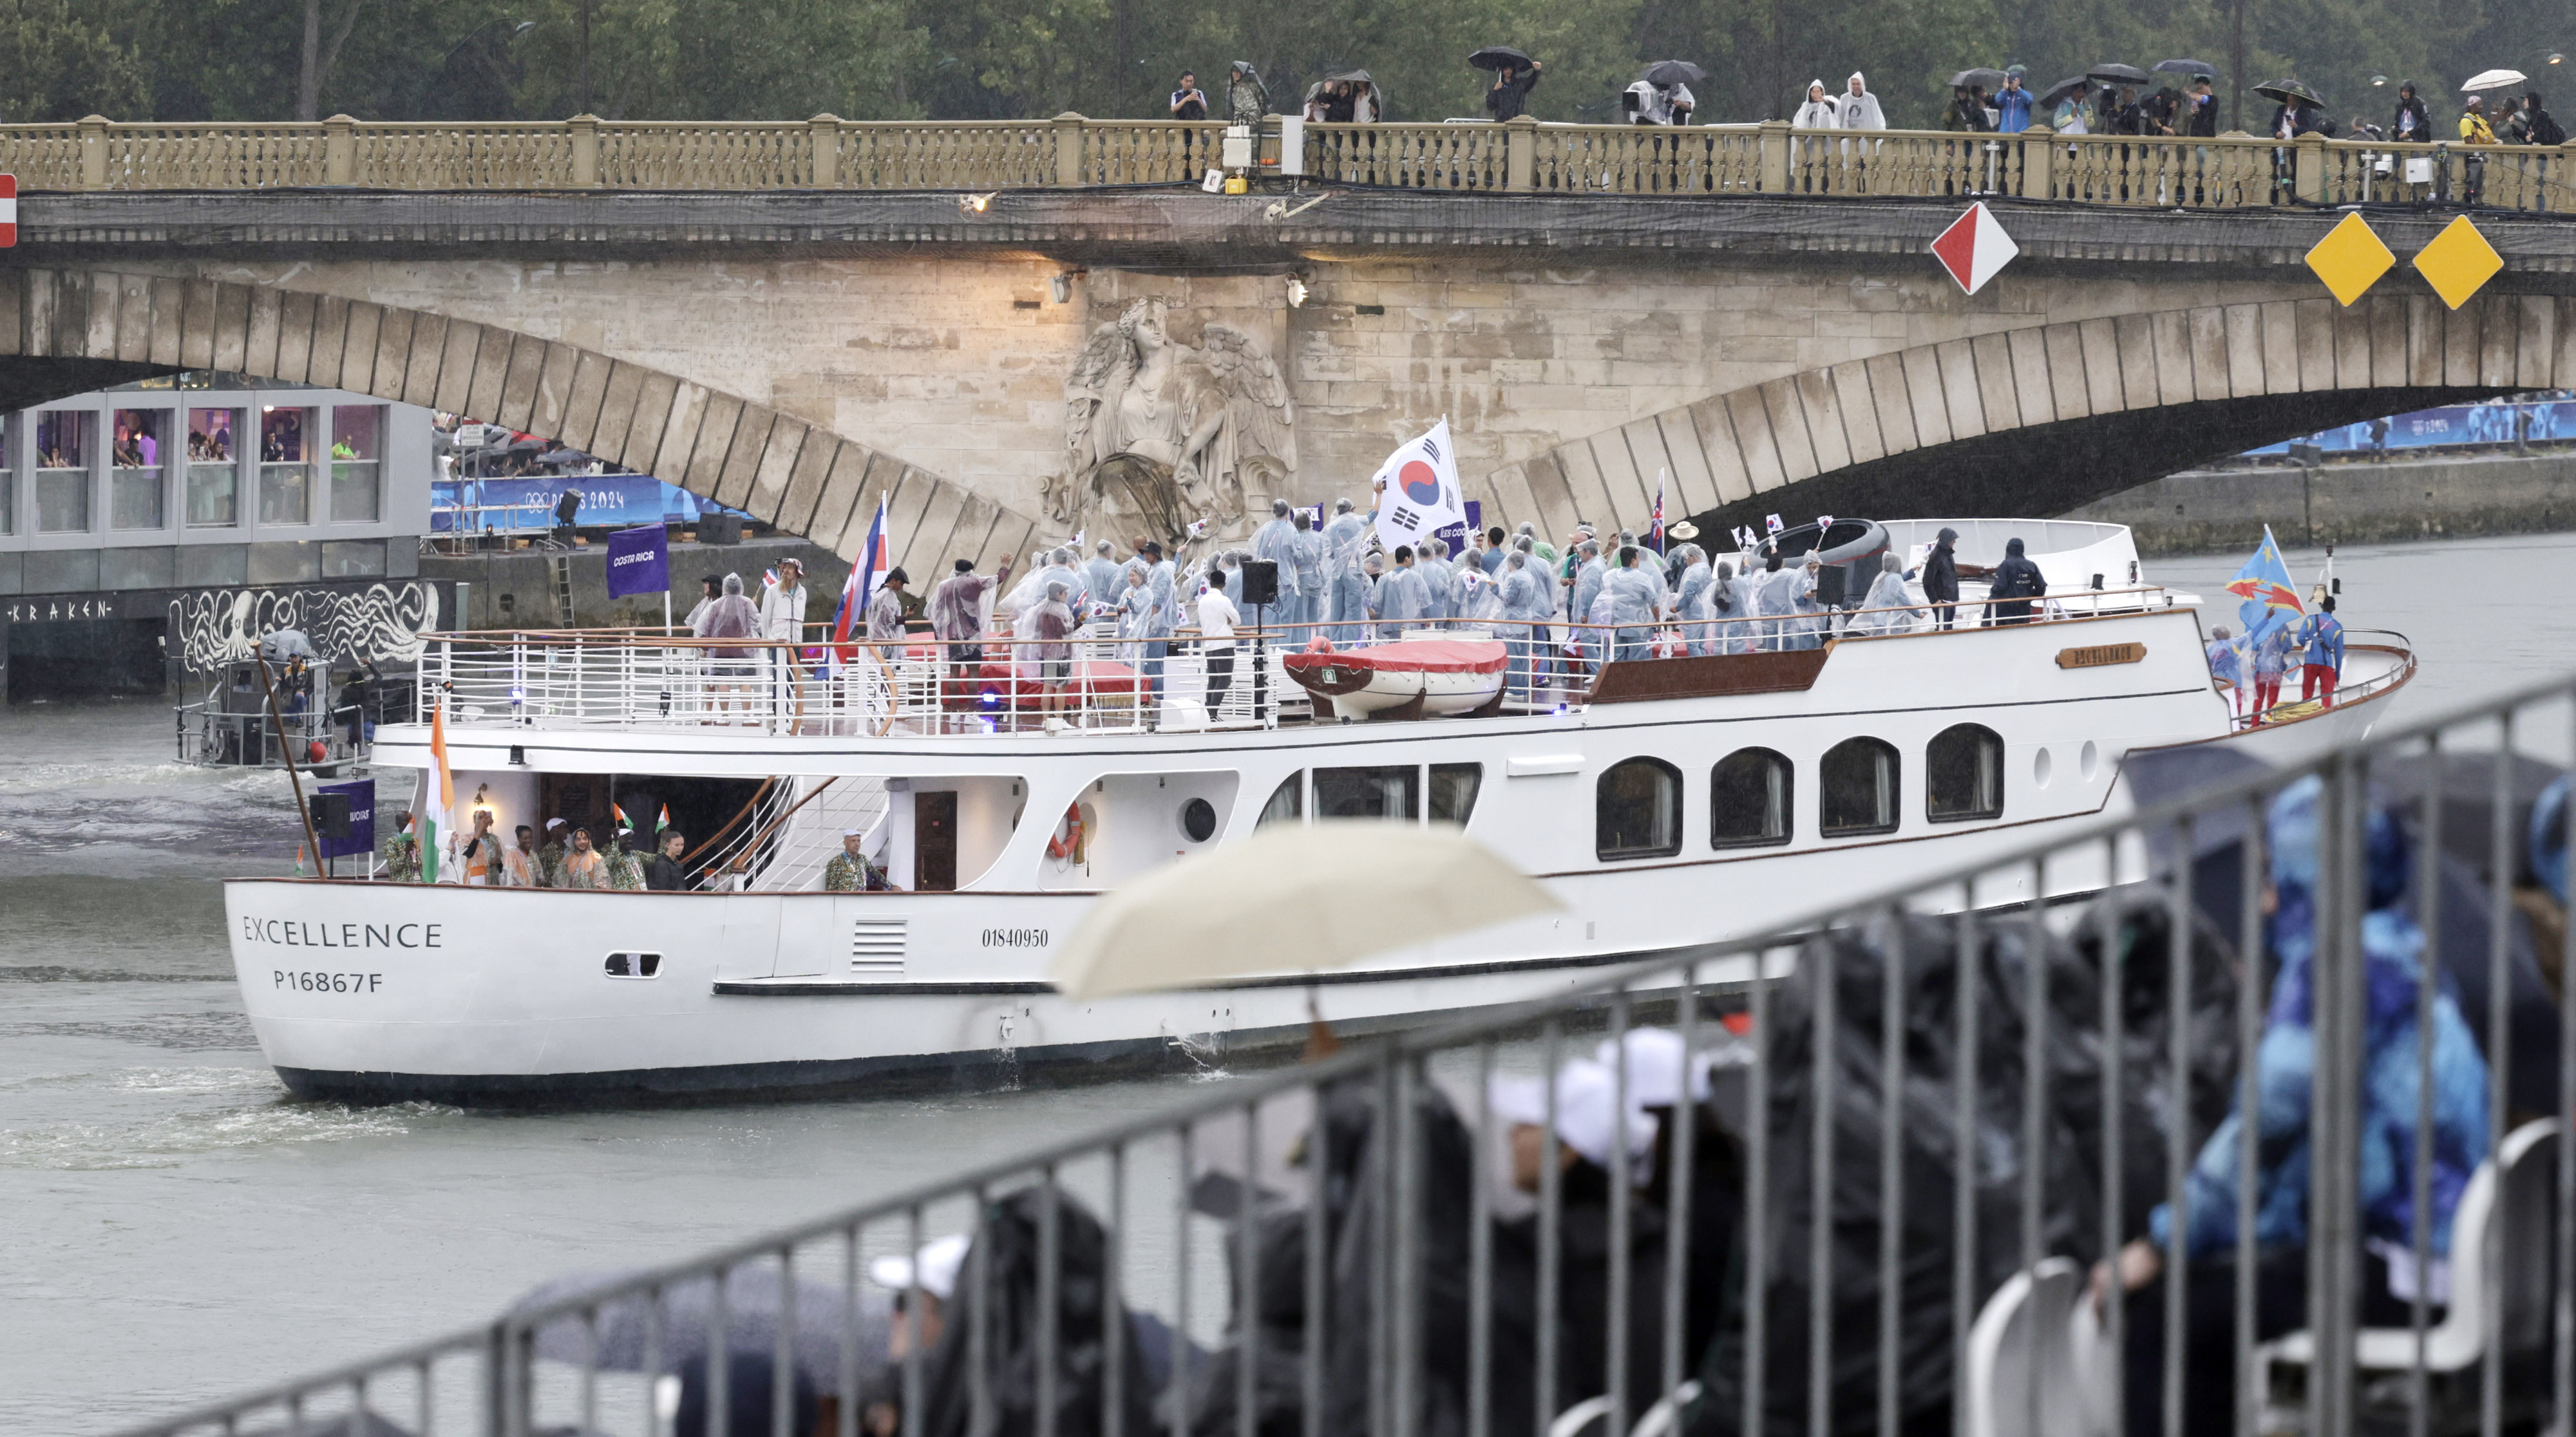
(1967, 112)
(1515, 75)
(1670, 101)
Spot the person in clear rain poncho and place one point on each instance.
(1102, 580)
(1521, 611)
(1691, 604)
(1889, 609)
(1276, 541)
(1344, 537)
(1589, 576)
(1306, 553)
(1440, 579)
(1635, 597)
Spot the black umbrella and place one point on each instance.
(2186, 67)
(1668, 73)
(1499, 57)
(2287, 92)
(1990, 79)
(2062, 89)
(2121, 74)
(564, 458)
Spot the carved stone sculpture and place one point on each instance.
(1159, 437)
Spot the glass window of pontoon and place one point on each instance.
(1637, 810)
(1393, 792)
(1963, 774)
(1749, 793)
(1453, 791)
(1857, 783)
(1287, 802)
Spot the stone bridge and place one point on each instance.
(800, 350)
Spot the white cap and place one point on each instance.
(1655, 1062)
(554, 823)
(852, 833)
(938, 1262)
(1586, 1100)
(1517, 1102)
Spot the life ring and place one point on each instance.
(1069, 847)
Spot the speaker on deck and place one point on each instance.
(1260, 581)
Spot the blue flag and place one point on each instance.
(2270, 595)
(639, 561)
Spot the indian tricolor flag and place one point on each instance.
(435, 824)
(664, 821)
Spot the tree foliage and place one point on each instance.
(992, 59)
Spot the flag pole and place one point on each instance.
(286, 751)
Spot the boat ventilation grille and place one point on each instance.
(876, 947)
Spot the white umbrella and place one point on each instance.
(1292, 898)
(2493, 80)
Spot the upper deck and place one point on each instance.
(1101, 683)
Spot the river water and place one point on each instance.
(177, 1229)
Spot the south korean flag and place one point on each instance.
(1417, 490)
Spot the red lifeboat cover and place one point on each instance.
(1413, 656)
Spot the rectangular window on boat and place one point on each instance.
(1368, 792)
(1453, 791)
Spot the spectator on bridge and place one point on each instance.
(2200, 109)
(2012, 102)
(1189, 102)
(2474, 131)
(2543, 129)
(1857, 108)
(2075, 113)
(1818, 112)
(2512, 126)
(2322, 637)
(1967, 112)
(1246, 98)
(2015, 583)
(1509, 95)
(2412, 125)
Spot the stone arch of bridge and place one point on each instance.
(67, 331)
(2037, 420)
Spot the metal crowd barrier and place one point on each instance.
(1434, 1247)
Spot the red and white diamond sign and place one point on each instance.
(1974, 248)
(8, 211)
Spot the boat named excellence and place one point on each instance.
(1665, 801)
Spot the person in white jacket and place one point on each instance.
(782, 621)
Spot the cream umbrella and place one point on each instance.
(1293, 898)
(2493, 80)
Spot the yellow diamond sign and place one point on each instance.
(2458, 262)
(2350, 259)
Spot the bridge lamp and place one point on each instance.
(976, 204)
(1061, 286)
(2378, 80)
(1296, 292)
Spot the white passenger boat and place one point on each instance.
(1665, 801)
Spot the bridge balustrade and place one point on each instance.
(1069, 151)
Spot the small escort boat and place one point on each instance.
(1424, 674)
(1664, 801)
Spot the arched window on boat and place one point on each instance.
(1963, 774)
(1287, 802)
(1857, 788)
(1749, 793)
(1637, 810)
